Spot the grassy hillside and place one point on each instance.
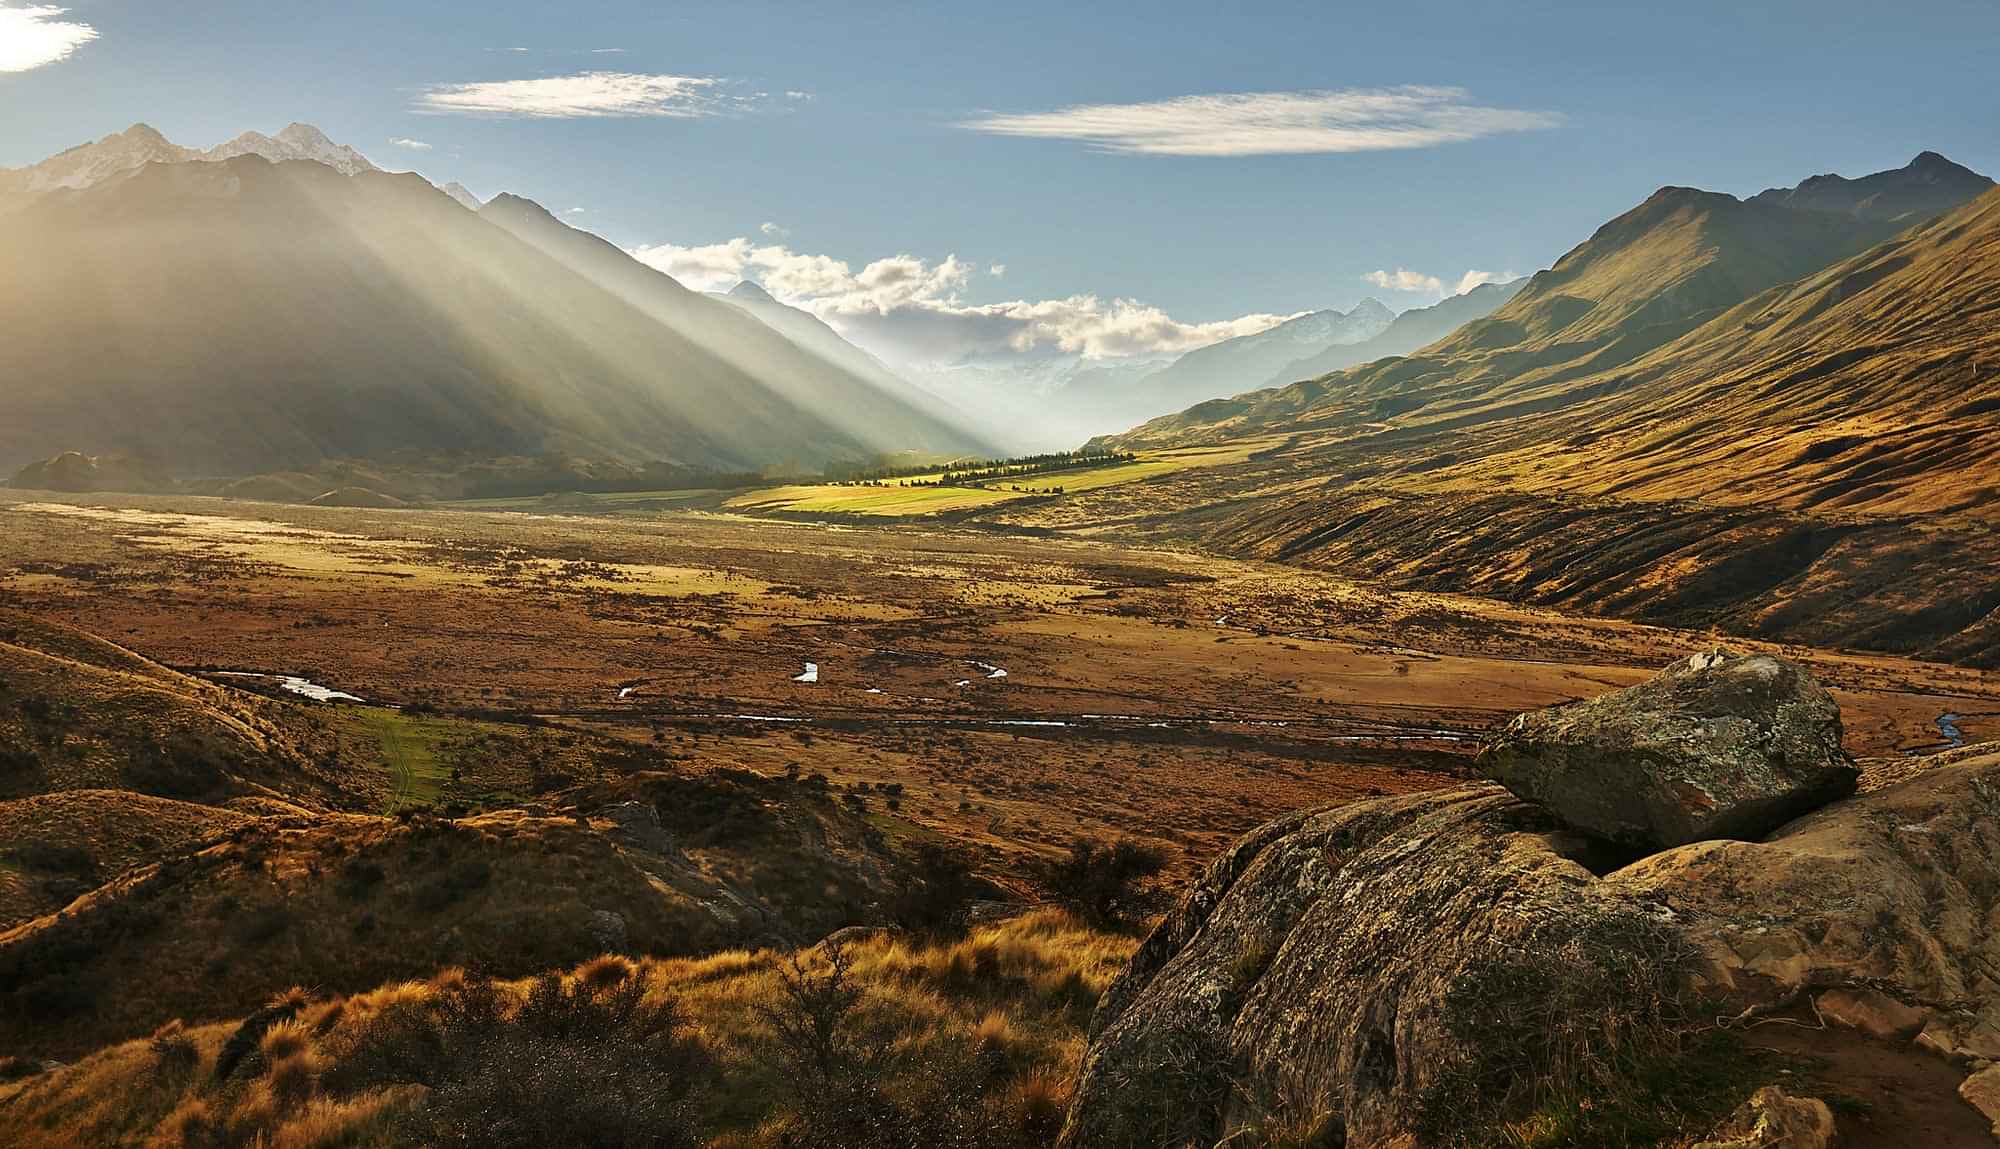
(79, 713)
(652, 864)
(1647, 278)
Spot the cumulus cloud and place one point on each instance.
(1416, 282)
(587, 94)
(1403, 279)
(1273, 123)
(1472, 279)
(32, 36)
(773, 230)
(997, 270)
(408, 144)
(910, 309)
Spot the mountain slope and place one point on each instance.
(1873, 385)
(1413, 329)
(880, 410)
(239, 317)
(1648, 277)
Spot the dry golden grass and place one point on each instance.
(1007, 1005)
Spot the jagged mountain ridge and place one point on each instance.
(1928, 185)
(122, 153)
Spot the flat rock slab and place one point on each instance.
(1720, 745)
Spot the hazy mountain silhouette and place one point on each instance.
(1415, 328)
(240, 316)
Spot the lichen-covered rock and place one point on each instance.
(1774, 1119)
(1369, 972)
(1982, 1092)
(1719, 745)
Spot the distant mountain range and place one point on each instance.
(1679, 260)
(1236, 364)
(1414, 328)
(88, 165)
(219, 316)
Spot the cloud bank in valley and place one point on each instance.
(1273, 123)
(912, 309)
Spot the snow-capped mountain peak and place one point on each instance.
(295, 142)
(135, 147)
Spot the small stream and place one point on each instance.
(304, 687)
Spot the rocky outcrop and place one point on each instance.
(1366, 972)
(1720, 745)
(1774, 1119)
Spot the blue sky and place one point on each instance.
(1578, 112)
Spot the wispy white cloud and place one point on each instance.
(33, 36)
(1273, 123)
(910, 309)
(997, 270)
(588, 94)
(607, 51)
(409, 144)
(773, 230)
(577, 211)
(1418, 283)
(796, 94)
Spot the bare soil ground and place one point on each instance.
(1148, 691)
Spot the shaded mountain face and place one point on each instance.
(792, 354)
(1643, 280)
(1413, 329)
(128, 151)
(1926, 186)
(241, 317)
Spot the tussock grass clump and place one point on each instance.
(879, 1043)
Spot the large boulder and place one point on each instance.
(1375, 974)
(1720, 745)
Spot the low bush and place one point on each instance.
(1104, 883)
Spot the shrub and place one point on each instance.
(1104, 883)
(262, 924)
(808, 1018)
(174, 1052)
(935, 891)
(448, 888)
(358, 878)
(571, 1067)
